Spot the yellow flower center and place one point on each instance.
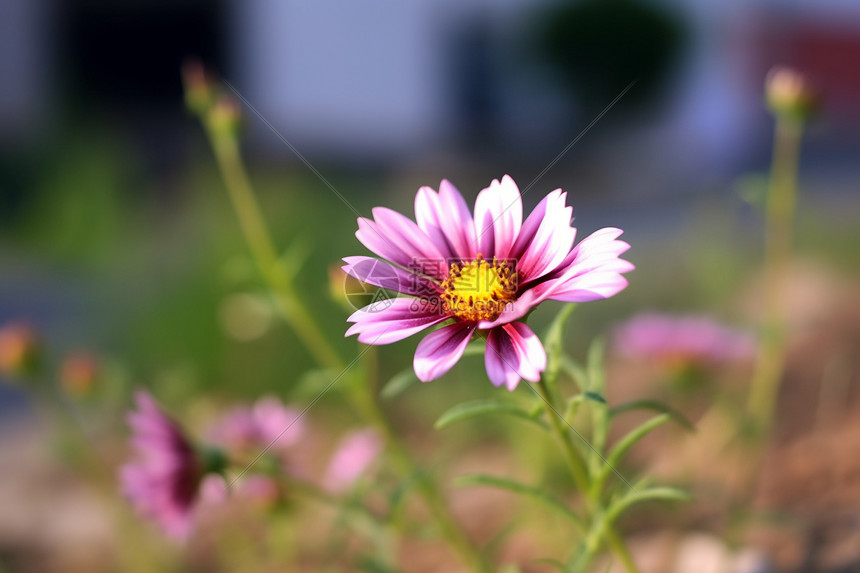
(479, 290)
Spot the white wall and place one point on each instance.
(343, 76)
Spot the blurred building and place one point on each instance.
(381, 80)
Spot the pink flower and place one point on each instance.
(482, 274)
(268, 423)
(163, 482)
(353, 456)
(680, 341)
(257, 489)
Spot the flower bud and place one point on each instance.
(199, 87)
(788, 94)
(337, 285)
(225, 117)
(213, 459)
(79, 373)
(19, 349)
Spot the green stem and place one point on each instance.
(601, 530)
(582, 480)
(262, 249)
(779, 219)
(588, 549)
(574, 461)
(616, 543)
(364, 398)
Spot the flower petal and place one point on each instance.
(498, 218)
(355, 453)
(516, 309)
(592, 286)
(446, 219)
(593, 269)
(402, 229)
(391, 320)
(382, 274)
(162, 482)
(398, 239)
(545, 238)
(440, 350)
(277, 426)
(514, 352)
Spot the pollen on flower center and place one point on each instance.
(479, 290)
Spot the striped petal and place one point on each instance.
(545, 238)
(446, 219)
(441, 350)
(514, 352)
(498, 218)
(388, 321)
(398, 239)
(385, 275)
(593, 271)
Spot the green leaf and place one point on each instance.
(572, 407)
(641, 496)
(399, 495)
(553, 342)
(623, 446)
(522, 489)
(474, 408)
(572, 368)
(628, 441)
(574, 402)
(495, 544)
(596, 374)
(654, 406)
(398, 383)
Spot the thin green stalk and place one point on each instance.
(574, 461)
(589, 548)
(779, 219)
(262, 249)
(582, 479)
(600, 531)
(364, 397)
(616, 543)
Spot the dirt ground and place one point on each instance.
(791, 507)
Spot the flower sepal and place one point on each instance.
(213, 459)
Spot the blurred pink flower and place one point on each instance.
(354, 454)
(163, 482)
(268, 423)
(258, 489)
(486, 273)
(679, 341)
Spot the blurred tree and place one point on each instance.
(598, 47)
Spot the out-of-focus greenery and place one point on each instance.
(155, 260)
(153, 266)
